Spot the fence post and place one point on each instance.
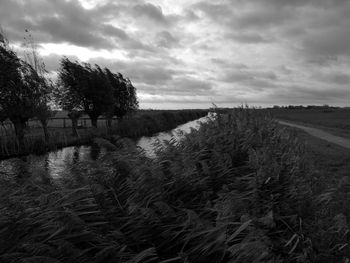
(64, 123)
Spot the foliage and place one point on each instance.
(21, 88)
(124, 93)
(84, 88)
(94, 91)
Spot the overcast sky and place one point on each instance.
(190, 53)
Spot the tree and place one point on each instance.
(68, 98)
(74, 116)
(124, 94)
(21, 88)
(43, 111)
(85, 88)
(70, 102)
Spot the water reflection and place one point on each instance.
(147, 143)
(61, 167)
(95, 152)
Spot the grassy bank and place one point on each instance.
(141, 124)
(330, 184)
(240, 189)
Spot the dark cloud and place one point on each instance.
(151, 12)
(285, 70)
(166, 39)
(248, 76)
(248, 38)
(151, 75)
(191, 16)
(303, 94)
(177, 51)
(179, 86)
(189, 85)
(262, 19)
(245, 14)
(114, 31)
(332, 42)
(157, 80)
(216, 11)
(223, 63)
(56, 21)
(143, 72)
(68, 22)
(338, 78)
(58, 30)
(238, 76)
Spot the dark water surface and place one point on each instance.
(59, 166)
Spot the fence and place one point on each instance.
(7, 128)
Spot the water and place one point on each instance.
(58, 167)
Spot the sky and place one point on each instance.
(192, 53)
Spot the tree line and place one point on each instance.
(26, 92)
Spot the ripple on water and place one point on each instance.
(59, 167)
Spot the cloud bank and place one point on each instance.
(183, 54)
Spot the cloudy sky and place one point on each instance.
(191, 53)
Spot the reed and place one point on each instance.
(236, 190)
(140, 125)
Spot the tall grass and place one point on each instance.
(149, 124)
(140, 125)
(236, 190)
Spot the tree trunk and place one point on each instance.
(46, 131)
(74, 127)
(93, 121)
(74, 116)
(19, 130)
(109, 123)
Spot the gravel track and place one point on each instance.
(320, 134)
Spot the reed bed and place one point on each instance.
(236, 190)
(140, 125)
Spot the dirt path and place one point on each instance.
(320, 134)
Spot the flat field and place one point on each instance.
(332, 118)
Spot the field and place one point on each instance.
(240, 189)
(338, 118)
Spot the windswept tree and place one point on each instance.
(43, 111)
(21, 88)
(69, 99)
(70, 103)
(124, 93)
(86, 88)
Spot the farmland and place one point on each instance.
(240, 189)
(337, 119)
